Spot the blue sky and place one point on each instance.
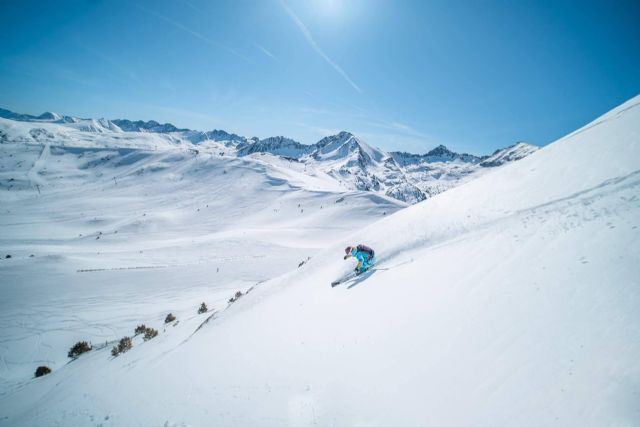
(404, 75)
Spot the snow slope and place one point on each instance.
(105, 231)
(509, 300)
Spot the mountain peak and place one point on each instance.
(509, 154)
(339, 138)
(279, 140)
(142, 126)
(278, 145)
(49, 116)
(440, 151)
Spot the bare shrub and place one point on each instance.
(42, 370)
(79, 348)
(203, 308)
(123, 346)
(150, 333)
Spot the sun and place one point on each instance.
(330, 8)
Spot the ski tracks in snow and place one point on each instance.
(150, 267)
(587, 205)
(38, 166)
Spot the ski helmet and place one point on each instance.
(347, 250)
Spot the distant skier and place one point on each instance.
(365, 256)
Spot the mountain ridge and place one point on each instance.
(345, 157)
(154, 126)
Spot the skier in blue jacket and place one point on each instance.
(364, 254)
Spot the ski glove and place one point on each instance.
(346, 256)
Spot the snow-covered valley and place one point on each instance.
(510, 299)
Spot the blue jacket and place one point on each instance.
(360, 256)
(364, 258)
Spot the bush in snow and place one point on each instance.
(150, 333)
(123, 346)
(304, 261)
(203, 308)
(42, 370)
(170, 318)
(79, 348)
(140, 329)
(235, 297)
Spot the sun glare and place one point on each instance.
(330, 8)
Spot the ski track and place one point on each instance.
(209, 260)
(38, 166)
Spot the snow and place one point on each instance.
(515, 152)
(343, 157)
(508, 300)
(278, 145)
(123, 232)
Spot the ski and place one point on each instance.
(353, 275)
(342, 280)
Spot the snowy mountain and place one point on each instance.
(220, 135)
(355, 163)
(278, 145)
(93, 216)
(349, 160)
(95, 125)
(347, 146)
(46, 117)
(508, 300)
(142, 126)
(510, 154)
(438, 154)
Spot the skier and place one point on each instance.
(365, 256)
